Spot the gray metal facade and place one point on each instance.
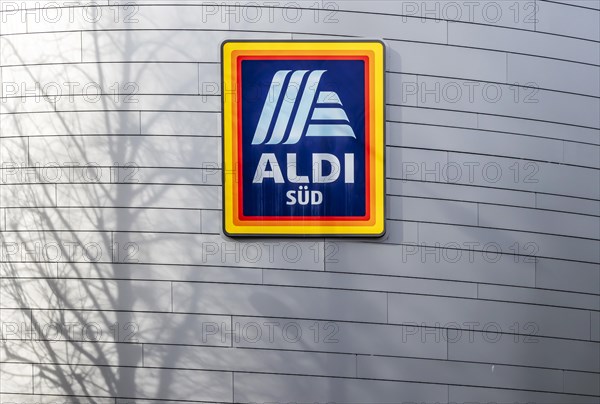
(118, 286)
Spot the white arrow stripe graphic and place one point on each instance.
(268, 110)
(304, 108)
(287, 106)
(325, 116)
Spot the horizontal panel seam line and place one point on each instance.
(33, 310)
(308, 375)
(413, 18)
(304, 33)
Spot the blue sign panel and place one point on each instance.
(303, 137)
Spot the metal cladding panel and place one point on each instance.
(118, 284)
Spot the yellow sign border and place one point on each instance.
(375, 52)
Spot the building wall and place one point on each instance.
(117, 284)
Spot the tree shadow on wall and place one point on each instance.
(75, 311)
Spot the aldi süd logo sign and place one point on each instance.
(303, 138)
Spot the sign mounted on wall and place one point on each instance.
(303, 138)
